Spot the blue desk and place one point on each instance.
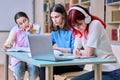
(49, 64)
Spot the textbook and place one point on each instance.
(19, 49)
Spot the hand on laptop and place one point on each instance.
(58, 53)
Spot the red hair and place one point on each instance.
(75, 15)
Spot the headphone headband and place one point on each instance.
(87, 17)
(79, 9)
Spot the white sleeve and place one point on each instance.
(95, 33)
(77, 43)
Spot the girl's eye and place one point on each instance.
(24, 20)
(76, 25)
(79, 24)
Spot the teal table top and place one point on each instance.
(41, 63)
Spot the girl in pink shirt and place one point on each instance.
(18, 38)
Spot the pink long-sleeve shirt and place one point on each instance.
(18, 38)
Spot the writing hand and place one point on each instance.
(76, 52)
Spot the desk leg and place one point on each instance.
(98, 72)
(6, 68)
(49, 73)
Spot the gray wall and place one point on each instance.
(8, 8)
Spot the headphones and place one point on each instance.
(87, 17)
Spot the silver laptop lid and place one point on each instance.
(41, 47)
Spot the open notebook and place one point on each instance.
(19, 49)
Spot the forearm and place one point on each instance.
(63, 50)
(89, 51)
(10, 38)
(9, 42)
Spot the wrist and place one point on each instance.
(32, 30)
(78, 49)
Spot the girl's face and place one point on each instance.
(81, 25)
(57, 18)
(23, 22)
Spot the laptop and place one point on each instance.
(41, 49)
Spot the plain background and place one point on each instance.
(8, 8)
